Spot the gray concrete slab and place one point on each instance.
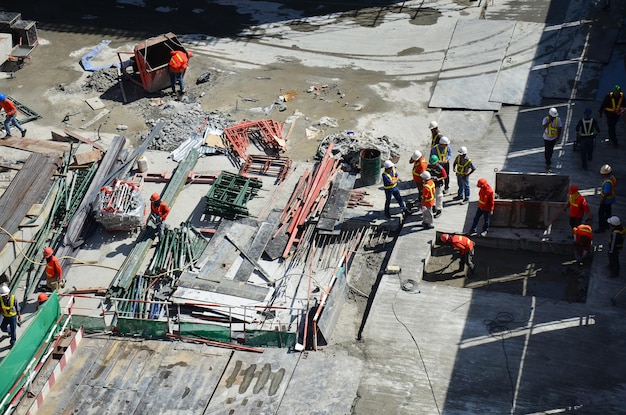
(467, 77)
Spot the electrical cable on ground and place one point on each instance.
(419, 352)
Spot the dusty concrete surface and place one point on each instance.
(430, 349)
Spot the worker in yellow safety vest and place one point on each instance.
(11, 315)
(612, 107)
(552, 130)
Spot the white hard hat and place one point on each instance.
(553, 112)
(4, 290)
(614, 220)
(444, 140)
(388, 164)
(416, 155)
(425, 175)
(606, 169)
(433, 124)
(463, 150)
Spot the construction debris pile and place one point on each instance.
(120, 206)
(348, 145)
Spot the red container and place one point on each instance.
(152, 57)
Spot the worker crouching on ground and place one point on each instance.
(607, 192)
(158, 213)
(439, 176)
(616, 242)
(486, 204)
(464, 246)
(583, 237)
(578, 207)
(54, 272)
(419, 166)
(11, 315)
(177, 66)
(428, 200)
(463, 167)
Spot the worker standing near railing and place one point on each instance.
(54, 272)
(11, 315)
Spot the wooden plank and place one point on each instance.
(60, 137)
(94, 119)
(35, 146)
(84, 139)
(87, 158)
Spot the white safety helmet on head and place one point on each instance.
(433, 124)
(606, 169)
(444, 140)
(463, 150)
(614, 220)
(4, 290)
(416, 155)
(553, 112)
(425, 175)
(388, 164)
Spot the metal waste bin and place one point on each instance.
(370, 166)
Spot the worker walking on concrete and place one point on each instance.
(464, 246)
(443, 152)
(428, 200)
(578, 207)
(486, 204)
(177, 66)
(158, 212)
(11, 315)
(54, 272)
(11, 116)
(607, 192)
(439, 176)
(552, 129)
(419, 166)
(463, 167)
(612, 107)
(616, 242)
(586, 131)
(583, 237)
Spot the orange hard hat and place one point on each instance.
(42, 297)
(445, 237)
(481, 182)
(47, 252)
(155, 196)
(573, 189)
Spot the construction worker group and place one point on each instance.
(431, 176)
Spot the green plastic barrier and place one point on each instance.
(89, 323)
(264, 338)
(149, 329)
(205, 331)
(28, 343)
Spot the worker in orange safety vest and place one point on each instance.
(465, 247)
(485, 208)
(179, 59)
(428, 200)
(158, 213)
(419, 166)
(577, 207)
(54, 272)
(583, 237)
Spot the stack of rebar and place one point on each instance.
(120, 206)
(229, 195)
(178, 250)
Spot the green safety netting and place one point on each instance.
(28, 344)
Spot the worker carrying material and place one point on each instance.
(54, 272)
(158, 213)
(11, 315)
(177, 66)
(583, 237)
(464, 246)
